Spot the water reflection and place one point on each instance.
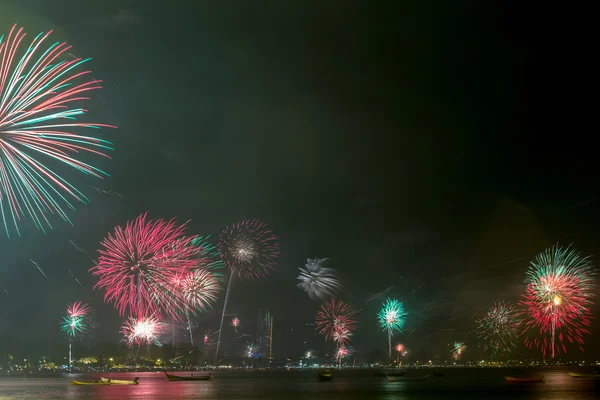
(457, 384)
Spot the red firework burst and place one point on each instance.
(78, 309)
(249, 249)
(139, 263)
(336, 321)
(557, 300)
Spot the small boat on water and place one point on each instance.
(524, 379)
(91, 383)
(106, 382)
(585, 376)
(439, 373)
(325, 375)
(407, 378)
(135, 381)
(188, 377)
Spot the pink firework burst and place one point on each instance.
(249, 249)
(40, 93)
(139, 263)
(145, 330)
(336, 321)
(78, 309)
(235, 322)
(557, 300)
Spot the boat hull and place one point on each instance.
(119, 382)
(80, 383)
(531, 379)
(584, 376)
(173, 378)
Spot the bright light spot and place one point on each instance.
(557, 300)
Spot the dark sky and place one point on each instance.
(416, 144)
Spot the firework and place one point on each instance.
(336, 320)
(249, 249)
(38, 123)
(458, 348)
(200, 289)
(207, 340)
(139, 264)
(400, 352)
(208, 253)
(391, 318)
(319, 282)
(498, 330)
(251, 351)
(235, 322)
(343, 352)
(557, 299)
(76, 322)
(341, 335)
(145, 330)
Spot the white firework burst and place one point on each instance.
(316, 280)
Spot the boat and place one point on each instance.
(106, 382)
(188, 378)
(91, 383)
(525, 379)
(407, 378)
(585, 376)
(325, 375)
(439, 374)
(135, 381)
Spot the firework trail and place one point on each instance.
(38, 123)
(75, 322)
(498, 330)
(419, 287)
(391, 318)
(376, 295)
(248, 249)
(40, 269)
(557, 299)
(138, 264)
(336, 321)
(73, 276)
(235, 323)
(319, 282)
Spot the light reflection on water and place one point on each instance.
(458, 384)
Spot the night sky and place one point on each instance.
(435, 147)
